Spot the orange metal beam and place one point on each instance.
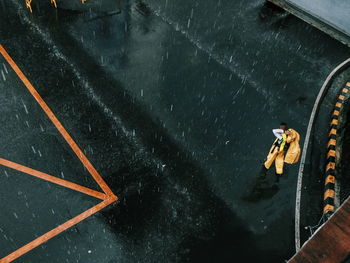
(108, 196)
(57, 123)
(54, 232)
(53, 179)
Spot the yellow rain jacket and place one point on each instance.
(279, 155)
(276, 155)
(293, 152)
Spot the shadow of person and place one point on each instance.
(261, 191)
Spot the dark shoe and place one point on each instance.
(263, 171)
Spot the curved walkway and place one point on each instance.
(304, 155)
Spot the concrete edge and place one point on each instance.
(312, 19)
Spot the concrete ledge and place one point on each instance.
(317, 21)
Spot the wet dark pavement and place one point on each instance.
(175, 115)
(344, 166)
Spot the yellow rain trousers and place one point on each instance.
(293, 153)
(276, 153)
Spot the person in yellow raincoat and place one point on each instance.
(285, 149)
